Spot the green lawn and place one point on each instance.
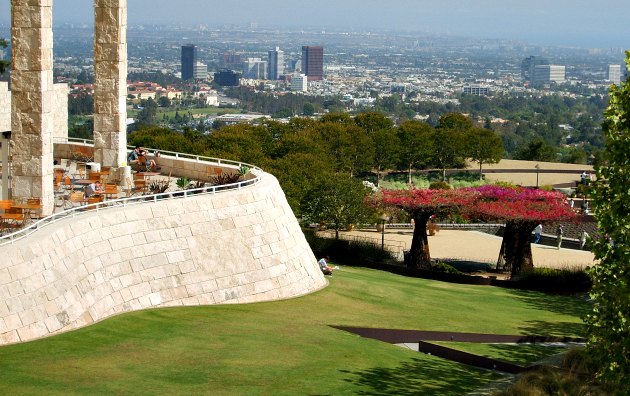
(287, 347)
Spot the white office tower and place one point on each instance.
(200, 71)
(299, 83)
(614, 74)
(276, 64)
(549, 73)
(255, 68)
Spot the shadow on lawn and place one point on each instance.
(574, 306)
(430, 376)
(538, 327)
(524, 355)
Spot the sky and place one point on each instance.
(581, 23)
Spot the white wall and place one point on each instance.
(233, 247)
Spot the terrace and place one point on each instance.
(205, 175)
(216, 244)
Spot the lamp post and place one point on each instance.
(384, 217)
(537, 169)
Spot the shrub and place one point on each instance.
(439, 185)
(347, 252)
(575, 377)
(183, 183)
(554, 280)
(225, 178)
(158, 186)
(445, 268)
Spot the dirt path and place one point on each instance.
(481, 247)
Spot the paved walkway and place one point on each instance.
(481, 247)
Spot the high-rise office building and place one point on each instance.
(231, 60)
(201, 71)
(299, 83)
(313, 62)
(528, 65)
(549, 73)
(255, 68)
(276, 64)
(189, 59)
(614, 74)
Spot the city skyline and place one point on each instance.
(562, 23)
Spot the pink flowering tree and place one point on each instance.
(521, 209)
(421, 205)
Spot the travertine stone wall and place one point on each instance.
(235, 247)
(32, 97)
(5, 107)
(110, 82)
(60, 111)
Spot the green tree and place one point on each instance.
(148, 114)
(4, 65)
(386, 151)
(297, 172)
(609, 322)
(164, 101)
(373, 121)
(308, 109)
(416, 145)
(448, 149)
(536, 150)
(336, 201)
(455, 121)
(483, 146)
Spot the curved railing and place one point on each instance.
(174, 154)
(116, 203)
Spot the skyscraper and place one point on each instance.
(255, 68)
(276, 64)
(548, 73)
(614, 74)
(313, 62)
(529, 64)
(189, 60)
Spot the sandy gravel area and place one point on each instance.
(529, 179)
(481, 247)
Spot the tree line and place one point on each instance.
(304, 151)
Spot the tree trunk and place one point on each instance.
(443, 174)
(378, 176)
(517, 247)
(480, 171)
(409, 176)
(419, 253)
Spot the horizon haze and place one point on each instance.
(577, 23)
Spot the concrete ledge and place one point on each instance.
(235, 247)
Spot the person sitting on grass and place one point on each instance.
(323, 265)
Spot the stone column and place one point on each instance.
(110, 82)
(32, 98)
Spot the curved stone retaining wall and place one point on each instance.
(234, 247)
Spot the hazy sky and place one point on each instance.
(584, 23)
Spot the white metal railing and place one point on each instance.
(116, 203)
(173, 154)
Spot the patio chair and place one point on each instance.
(111, 191)
(17, 221)
(76, 198)
(137, 186)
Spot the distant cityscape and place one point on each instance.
(357, 69)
